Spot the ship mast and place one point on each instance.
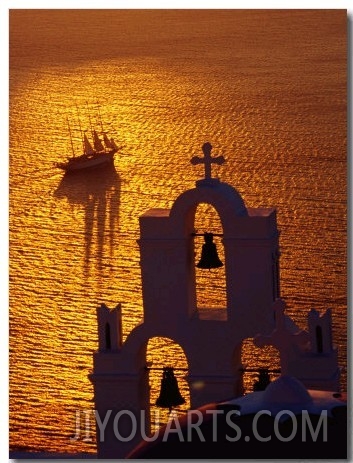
(100, 117)
(101, 123)
(90, 121)
(72, 144)
(79, 124)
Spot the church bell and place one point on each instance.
(209, 256)
(169, 395)
(263, 380)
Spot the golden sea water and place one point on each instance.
(266, 88)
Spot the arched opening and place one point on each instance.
(164, 352)
(319, 341)
(211, 297)
(254, 359)
(108, 340)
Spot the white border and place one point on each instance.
(4, 125)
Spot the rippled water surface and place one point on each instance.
(266, 88)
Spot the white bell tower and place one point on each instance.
(211, 340)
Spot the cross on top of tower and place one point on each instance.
(207, 160)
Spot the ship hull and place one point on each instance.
(87, 162)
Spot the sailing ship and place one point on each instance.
(98, 153)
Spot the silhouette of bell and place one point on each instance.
(263, 380)
(209, 257)
(169, 394)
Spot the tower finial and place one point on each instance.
(208, 160)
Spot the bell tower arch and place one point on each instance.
(212, 342)
(209, 255)
(250, 239)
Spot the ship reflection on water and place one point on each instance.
(97, 191)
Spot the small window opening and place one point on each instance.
(319, 343)
(108, 342)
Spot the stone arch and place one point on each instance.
(225, 199)
(135, 351)
(253, 358)
(171, 354)
(232, 212)
(210, 286)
